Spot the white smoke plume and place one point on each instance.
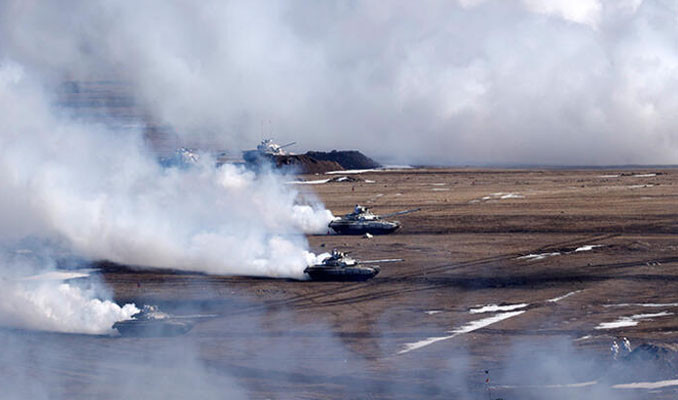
(447, 82)
(62, 307)
(33, 300)
(100, 193)
(111, 200)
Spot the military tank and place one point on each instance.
(152, 322)
(362, 221)
(338, 266)
(265, 149)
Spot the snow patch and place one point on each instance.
(647, 385)
(587, 247)
(633, 320)
(316, 182)
(352, 171)
(495, 308)
(470, 327)
(541, 256)
(557, 299)
(649, 305)
(498, 196)
(553, 386)
(362, 171)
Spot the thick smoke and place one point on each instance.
(45, 306)
(111, 200)
(471, 81)
(102, 195)
(31, 300)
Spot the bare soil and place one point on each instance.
(287, 339)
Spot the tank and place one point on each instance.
(338, 266)
(362, 221)
(183, 157)
(152, 322)
(265, 149)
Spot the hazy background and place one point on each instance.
(442, 82)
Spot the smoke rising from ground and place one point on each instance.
(467, 81)
(109, 198)
(102, 195)
(36, 302)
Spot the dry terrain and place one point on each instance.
(560, 252)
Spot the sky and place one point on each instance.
(581, 82)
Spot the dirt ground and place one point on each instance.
(562, 250)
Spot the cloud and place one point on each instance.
(586, 12)
(565, 82)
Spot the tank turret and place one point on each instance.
(267, 148)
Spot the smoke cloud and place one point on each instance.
(110, 199)
(31, 300)
(447, 82)
(101, 194)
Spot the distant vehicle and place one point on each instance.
(362, 221)
(340, 267)
(183, 157)
(265, 149)
(152, 322)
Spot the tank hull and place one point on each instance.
(142, 328)
(346, 273)
(361, 228)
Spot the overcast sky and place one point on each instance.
(441, 82)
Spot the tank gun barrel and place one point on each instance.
(388, 260)
(399, 213)
(287, 145)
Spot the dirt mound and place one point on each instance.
(318, 162)
(304, 164)
(348, 159)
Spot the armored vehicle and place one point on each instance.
(152, 322)
(265, 149)
(362, 221)
(183, 157)
(339, 267)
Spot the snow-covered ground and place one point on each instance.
(469, 327)
(497, 308)
(632, 320)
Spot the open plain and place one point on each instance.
(530, 278)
